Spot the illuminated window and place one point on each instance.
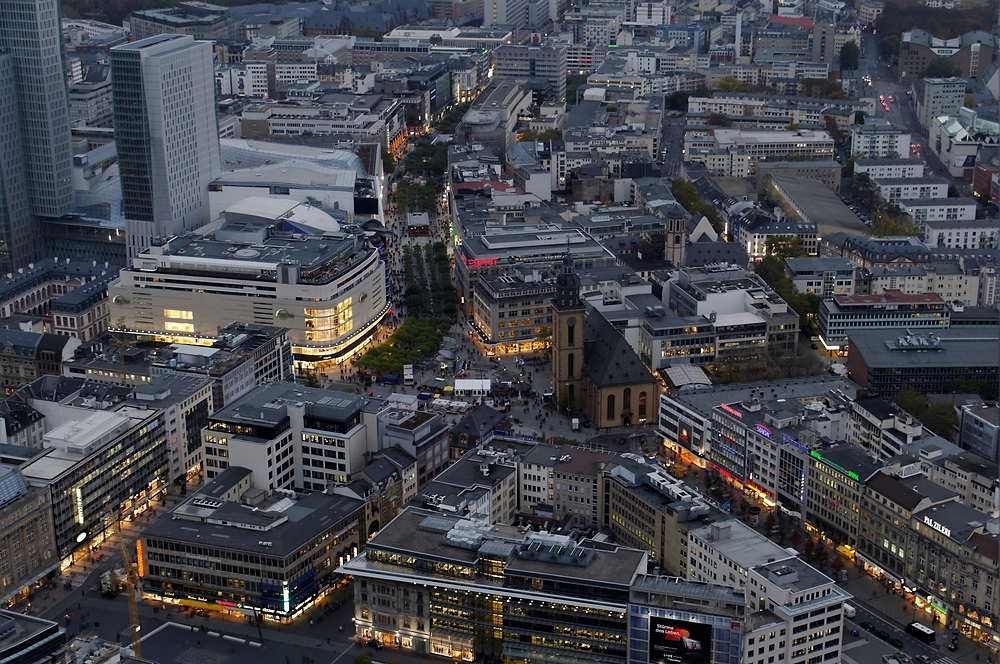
(178, 313)
(178, 327)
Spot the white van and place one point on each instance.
(850, 611)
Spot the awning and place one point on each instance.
(446, 354)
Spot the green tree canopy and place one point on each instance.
(727, 84)
(678, 101)
(850, 56)
(941, 68)
(894, 223)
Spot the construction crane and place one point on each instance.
(132, 586)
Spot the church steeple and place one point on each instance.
(567, 284)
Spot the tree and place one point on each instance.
(941, 419)
(769, 522)
(543, 135)
(820, 554)
(727, 84)
(850, 56)
(363, 659)
(911, 401)
(678, 101)
(832, 127)
(810, 548)
(838, 564)
(941, 68)
(889, 224)
(785, 246)
(796, 539)
(573, 83)
(719, 120)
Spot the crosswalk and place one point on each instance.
(945, 660)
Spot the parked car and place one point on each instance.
(896, 642)
(882, 634)
(867, 626)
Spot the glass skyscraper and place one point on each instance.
(36, 172)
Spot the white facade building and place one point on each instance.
(328, 290)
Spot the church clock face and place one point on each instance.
(571, 321)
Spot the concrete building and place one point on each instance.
(297, 279)
(512, 14)
(879, 140)
(763, 145)
(746, 313)
(880, 169)
(369, 117)
(973, 478)
(938, 96)
(27, 536)
(688, 417)
(979, 431)
(541, 581)
(947, 535)
(289, 436)
(200, 20)
(880, 428)
(896, 189)
(887, 361)
(524, 63)
(958, 233)
(186, 402)
(422, 434)
(494, 114)
(825, 277)
(166, 135)
(805, 201)
(36, 133)
(841, 315)
(793, 592)
(888, 503)
(274, 554)
(90, 101)
(25, 356)
(724, 553)
(971, 53)
(839, 471)
(73, 469)
(244, 356)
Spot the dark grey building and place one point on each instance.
(35, 141)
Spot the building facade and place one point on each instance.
(329, 291)
(36, 132)
(242, 551)
(166, 134)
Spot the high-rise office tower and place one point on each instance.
(37, 171)
(167, 135)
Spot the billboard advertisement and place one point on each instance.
(673, 641)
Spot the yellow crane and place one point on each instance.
(132, 585)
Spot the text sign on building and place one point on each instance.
(763, 430)
(732, 411)
(937, 526)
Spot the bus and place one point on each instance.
(920, 632)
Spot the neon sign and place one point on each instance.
(850, 473)
(731, 410)
(482, 262)
(763, 430)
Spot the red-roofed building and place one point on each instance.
(806, 23)
(891, 309)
